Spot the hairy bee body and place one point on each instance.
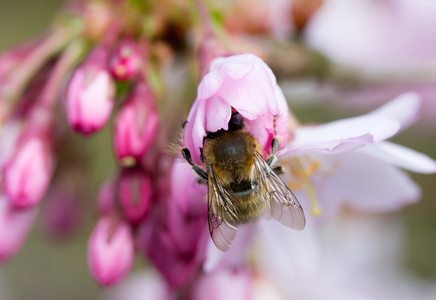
(231, 154)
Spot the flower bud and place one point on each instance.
(90, 94)
(135, 192)
(126, 60)
(14, 227)
(27, 174)
(110, 251)
(136, 125)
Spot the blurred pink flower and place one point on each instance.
(135, 191)
(126, 60)
(15, 224)
(375, 34)
(28, 173)
(110, 251)
(90, 93)
(244, 83)
(136, 124)
(348, 161)
(175, 235)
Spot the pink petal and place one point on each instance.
(402, 157)
(217, 114)
(404, 109)
(369, 184)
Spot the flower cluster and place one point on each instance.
(115, 66)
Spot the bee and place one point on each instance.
(242, 185)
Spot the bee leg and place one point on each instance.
(278, 170)
(187, 155)
(274, 147)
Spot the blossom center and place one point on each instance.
(303, 172)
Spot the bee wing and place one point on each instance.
(283, 206)
(220, 206)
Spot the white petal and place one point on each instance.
(343, 135)
(370, 184)
(287, 254)
(232, 257)
(402, 157)
(404, 109)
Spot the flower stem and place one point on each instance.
(19, 78)
(69, 58)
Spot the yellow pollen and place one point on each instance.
(301, 169)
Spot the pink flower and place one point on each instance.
(126, 61)
(28, 173)
(90, 94)
(244, 83)
(15, 224)
(110, 251)
(134, 192)
(348, 161)
(136, 124)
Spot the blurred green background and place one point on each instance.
(46, 269)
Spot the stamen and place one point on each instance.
(316, 208)
(301, 170)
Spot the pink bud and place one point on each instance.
(135, 192)
(14, 227)
(90, 94)
(62, 212)
(28, 173)
(136, 124)
(110, 251)
(126, 60)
